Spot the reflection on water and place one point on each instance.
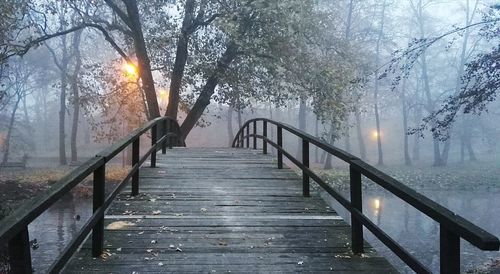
(53, 230)
(413, 230)
(418, 233)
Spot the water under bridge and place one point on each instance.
(238, 210)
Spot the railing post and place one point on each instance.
(153, 143)
(241, 143)
(20, 253)
(449, 249)
(248, 135)
(164, 144)
(254, 134)
(98, 197)
(356, 203)
(305, 162)
(280, 144)
(264, 133)
(135, 160)
(169, 139)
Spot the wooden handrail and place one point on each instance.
(14, 227)
(452, 226)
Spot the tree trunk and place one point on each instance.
(405, 125)
(302, 124)
(348, 37)
(416, 139)
(359, 132)
(376, 90)
(76, 96)
(62, 103)
(446, 152)
(467, 137)
(331, 137)
(144, 64)
(316, 148)
(181, 56)
(27, 124)
(208, 90)
(6, 149)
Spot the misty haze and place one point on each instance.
(249, 136)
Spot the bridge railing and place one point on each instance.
(14, 227)
(452, 227)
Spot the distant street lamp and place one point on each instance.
(375, 135)
(130, 70)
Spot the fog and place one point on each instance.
(408, 86)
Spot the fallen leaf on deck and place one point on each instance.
(119, 225)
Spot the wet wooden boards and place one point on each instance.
(211, 210)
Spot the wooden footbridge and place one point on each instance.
(235, 210)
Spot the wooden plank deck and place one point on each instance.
(223, 211)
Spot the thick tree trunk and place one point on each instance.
(208, 90)
(62, 102)
(6, 149)
(76, 96)
(181, 56)
(144, 64)
(62, 120)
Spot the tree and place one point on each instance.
(478, 81)
(18, 76)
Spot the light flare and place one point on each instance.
(130, 70)
(376, 204)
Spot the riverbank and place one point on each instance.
(456, 176)
(19, 185)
